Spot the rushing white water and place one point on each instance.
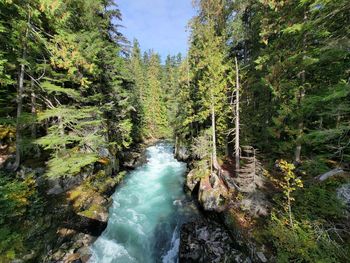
(147, 212)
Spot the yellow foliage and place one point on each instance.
(7, 132)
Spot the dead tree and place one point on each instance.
(237, 148)
(248, 175)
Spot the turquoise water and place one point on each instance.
(147, 212)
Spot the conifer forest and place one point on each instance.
(236, 151)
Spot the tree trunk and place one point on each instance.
(300, 99)
(237, 151)
(301, 123)
(215, 163)
(298, 146)
(61, 127)
(176, 145)
(20, 92)
(33, 109)
(290, 211)
(338, 120)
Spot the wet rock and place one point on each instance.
(85, 225)
(133, 159)
(207, 242)
(181, 153)
(161, 237)
(75, 249)
(108, 161)
(212, 194)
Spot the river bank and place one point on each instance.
(90, 201)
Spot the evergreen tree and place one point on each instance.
(155, 109)
(137, 69)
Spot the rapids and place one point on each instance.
(147, 212)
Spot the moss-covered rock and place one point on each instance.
(193, 178)
(213, 194)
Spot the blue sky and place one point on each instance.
(160, 25)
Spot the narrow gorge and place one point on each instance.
(162, 131)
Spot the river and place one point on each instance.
(147, 212)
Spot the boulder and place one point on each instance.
(343, 193)
(212, 194)
(192, 180)
(181, 153)
(133, 159)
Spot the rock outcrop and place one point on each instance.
(212, 194)
(343, 193)
(133, 158)
(181, 153)
(203, 241)
(218, 193)
(192, 179)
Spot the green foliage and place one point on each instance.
(296, 92)
(50, 88)
(312, 237)
(315, 166)
(319, 202)
(14, 197)
(6, 133)
(17, 201)
(205, 78)
(156, 120)
(73, 163)
(80, 95)
(153, 86)
(201, 147)
(302, 243)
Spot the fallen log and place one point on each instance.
(328, 174)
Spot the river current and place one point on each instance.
(147, 212)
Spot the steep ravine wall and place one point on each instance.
(76, 210)
(227, 218)
(217, 203)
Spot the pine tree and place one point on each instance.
(155, 110)
(137, 70)
(209, 75)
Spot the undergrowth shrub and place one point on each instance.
(302, 243)
(18, 202)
